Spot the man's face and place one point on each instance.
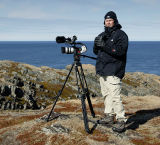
(109, 22)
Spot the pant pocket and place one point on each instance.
(113, 80)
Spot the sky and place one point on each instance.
(43, 20)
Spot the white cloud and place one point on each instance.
(54, 9)
(27, 14)
(26, 10)
(142, 32)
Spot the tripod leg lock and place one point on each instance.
(83, 96)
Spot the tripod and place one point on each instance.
(84, 90)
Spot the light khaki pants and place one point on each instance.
(111, 88)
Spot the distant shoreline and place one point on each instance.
(69, 65)
(142, 56)
(77, 40)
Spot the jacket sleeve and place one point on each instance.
(117, 46)
(95, 49)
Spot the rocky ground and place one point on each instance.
(27, 93)
(29, 127)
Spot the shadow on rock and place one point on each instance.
(141, 117)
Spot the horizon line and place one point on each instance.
(78, 40)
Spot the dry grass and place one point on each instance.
(68, 91)
(131, 82)
(66, 140)
(32, 138)
(145, 141)
(32, 135)
(11, 121)
(68, 107)
(145, 133)
(99, 136)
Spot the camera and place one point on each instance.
(73, 48)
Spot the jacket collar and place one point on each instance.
(112, 29)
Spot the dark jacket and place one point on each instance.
(111, 58)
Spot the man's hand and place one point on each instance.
(99, 42)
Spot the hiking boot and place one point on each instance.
(119, 127)
(107, 120)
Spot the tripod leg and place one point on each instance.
(90, 105)
(87, 93)
(60, 92)
(83, 97)
(84, 111)
(77, 83)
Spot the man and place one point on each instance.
(111, 49)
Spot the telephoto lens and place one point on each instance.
(67, 50)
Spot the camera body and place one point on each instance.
(73, 48)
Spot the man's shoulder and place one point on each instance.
(121, 32)
(101, 34)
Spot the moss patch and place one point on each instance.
(131, 82)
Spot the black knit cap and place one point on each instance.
(111, 15)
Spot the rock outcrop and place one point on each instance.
(24, 86)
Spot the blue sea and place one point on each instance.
(142, 56)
